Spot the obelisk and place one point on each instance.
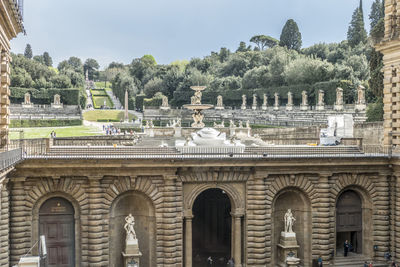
(126, 106)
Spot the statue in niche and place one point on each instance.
(130, 231)
(289, 221)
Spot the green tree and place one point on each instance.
(91, 66)
(28, 51)
(242, 47)
(48, 61)
(356, 32)
(291, 36)
(377, 13)
(263, 41)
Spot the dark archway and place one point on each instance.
(142, 209)
(349, 221)
(212, 228)
(56, 223)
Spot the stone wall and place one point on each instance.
(95, 187)
(370, 132)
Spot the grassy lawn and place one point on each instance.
(99, 101)
(44, 132)
(101, 84)
(115, 115)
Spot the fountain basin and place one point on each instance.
(198, 106)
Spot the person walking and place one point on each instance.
(319, 261)
(346, 246)
(370, 264)
(365, 264)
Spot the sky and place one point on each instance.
(172, 29)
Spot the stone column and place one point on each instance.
(4, 96)
(4, 223)
(188, 238)
(396, 215)
(237, 230)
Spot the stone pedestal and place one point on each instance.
(276, 108)
(219, 107)
(320, 107)
(361, 107)
(177, 132)
(253, 107)
(29, 262)
(165, 108)
(56, 105)
(27, 105)
(287, 249)
(264, 107)
(304, 107)
(131, 254)
(338, 107)
(243, 107)
(289, 107)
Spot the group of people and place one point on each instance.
(111, 130)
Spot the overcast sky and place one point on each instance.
(172, 29)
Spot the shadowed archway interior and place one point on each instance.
(212, 228)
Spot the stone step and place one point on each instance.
(356, 260)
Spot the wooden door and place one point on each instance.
(56, 223)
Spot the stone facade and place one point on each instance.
(10, 26)
(165, 192)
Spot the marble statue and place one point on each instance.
(151, 125)
(244, 102)
(231, 124)
(254, 101)
(361, 95)
(289, 221)
(130, 231)
(220, 104)
(197, 97)
(339, 96)
(27, 98)
(290, 98)
(265, 102)
(57, 99)
(276, 105)
(248, 124)
(164, 101)
(321, 95)
(219, 125)
(240, 124)
(304, 99)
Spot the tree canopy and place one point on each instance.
(291, 36)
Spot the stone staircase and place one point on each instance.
(355, 260)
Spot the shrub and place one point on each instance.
(375, 111)
(45, 96)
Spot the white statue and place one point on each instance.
(276, 99)
(244, 102)
(164, 101)
(27, 98)
(219, 101)
(361, 95)
(339, 96)
(304, 98)
(255, 100)
(248, 124)
(290, 98)
(240, 124)
(321, 97)
(232, 124)
(130, 231)
(57, 99)
(289, 220)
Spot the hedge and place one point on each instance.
(152, 102)
(139, 101)
(44, 123)
(45, 96)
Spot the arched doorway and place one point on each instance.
(349, 221)
(142, 209)
(300, 205)
(56, 223)
(212, 228)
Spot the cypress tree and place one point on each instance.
(356, 32)
(291, 36)
(28, 51)
(48, 61)
(377, 13)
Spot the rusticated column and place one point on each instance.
(95, 226)
(396, 224)
(172, 222)
(188, 238)
(4, 96)
(257, 230)
(322, 229)
(381, 217)
(4, 223)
